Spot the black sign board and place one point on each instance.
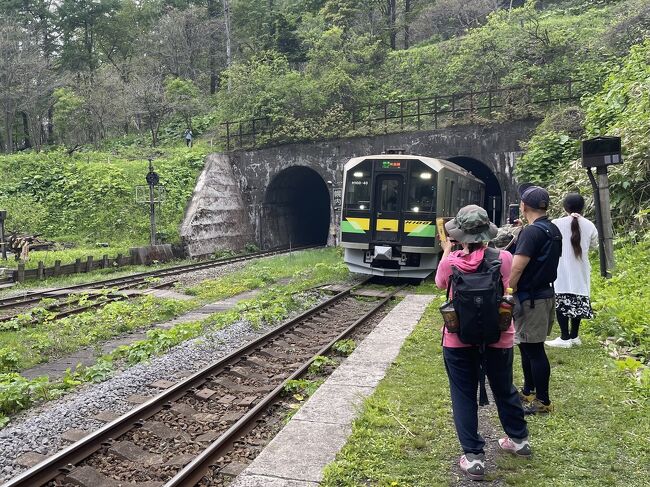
(601, 151)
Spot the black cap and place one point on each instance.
(534, 196)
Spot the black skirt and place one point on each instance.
(574, 306)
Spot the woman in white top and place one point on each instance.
(572, 286)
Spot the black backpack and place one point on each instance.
(476, 300)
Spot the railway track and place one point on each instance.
(187, 430)
(79, 304)
(134, 280)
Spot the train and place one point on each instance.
(389, 208)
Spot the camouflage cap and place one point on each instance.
(471, 225)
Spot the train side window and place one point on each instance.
(357, 187)
(422, 191)
(450, 199)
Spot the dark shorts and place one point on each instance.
(533, 325)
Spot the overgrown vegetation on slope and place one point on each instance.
(90, 197)
(621, 108)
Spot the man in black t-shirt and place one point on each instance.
(534, 269)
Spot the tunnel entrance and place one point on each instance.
(492, 202)
(296, 209)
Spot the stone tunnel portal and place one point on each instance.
(296, 209)
(492, 202)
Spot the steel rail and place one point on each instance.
(110, 298)
(64, 460)
(192, 473)
(139, 278)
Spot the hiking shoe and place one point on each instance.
(521, 448)
(537, 407)
(559, 343)
(576, 341)
(473, 465)
(526, 398)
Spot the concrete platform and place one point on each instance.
(297, 455)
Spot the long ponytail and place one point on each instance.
(575, 237)
(574, 204)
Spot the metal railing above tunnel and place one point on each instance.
(499, 104)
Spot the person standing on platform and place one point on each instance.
(534, 269)
(573, 283)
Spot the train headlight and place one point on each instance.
(415, 209)
(358, 174)
(425, 175)
(362, 207)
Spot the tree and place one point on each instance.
(147, 93)
(80, 22)
(184, 98)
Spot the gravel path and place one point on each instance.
(39, 429)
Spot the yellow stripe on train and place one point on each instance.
(387, 225)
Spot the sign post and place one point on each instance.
(601, 152)
(151, 194)
(3, 244)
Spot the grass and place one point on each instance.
(49, 339)
(598, 434)
(311, 267)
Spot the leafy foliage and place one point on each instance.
(621, 108)
(546, 153)
(344, 347)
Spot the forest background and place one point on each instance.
(89, 89)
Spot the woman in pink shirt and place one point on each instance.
(472, 228)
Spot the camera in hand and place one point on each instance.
(513, 214)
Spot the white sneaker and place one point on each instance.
(559, 343)
(576, 341)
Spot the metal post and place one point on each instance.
(3, 244)
(606, 214)
(599, 225)
(152, 207)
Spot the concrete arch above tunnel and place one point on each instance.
(493, 202)
(296, 209)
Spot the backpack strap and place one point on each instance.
(491, 255)
(546, 249)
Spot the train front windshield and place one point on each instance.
(357, 191)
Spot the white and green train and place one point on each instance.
(389, 210)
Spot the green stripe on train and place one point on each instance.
(351, 227)
(424, 231)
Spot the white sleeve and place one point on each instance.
(593, 243)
